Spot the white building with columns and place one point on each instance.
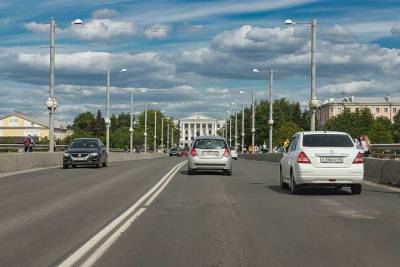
(198, 125)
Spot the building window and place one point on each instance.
(218, 126)
(386, 110)
(209, 132)
(186, 138)
(377, 110)
(186, 132)
(340, 109)
(394, 110)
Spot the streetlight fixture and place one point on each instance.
(271, 120)
(313, 104)
(131, 123)
(107, 119)
(230, 128)
(242, 134)
(51, 103)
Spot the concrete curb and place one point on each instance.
(16, 162)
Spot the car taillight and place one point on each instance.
(359, 159)
(193, 152)
(302, 158)
(226, 152)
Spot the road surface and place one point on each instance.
(79, 217)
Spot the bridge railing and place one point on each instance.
(12, 148)
(385, 151)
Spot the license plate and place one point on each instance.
(210, 153)
(331, 160)
(79, 159)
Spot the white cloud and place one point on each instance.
(37, 27)
(157, 31)
(395, 30)
(339, 34)
(102, 29)
(217, 91)
(353, 87)
(105, 14)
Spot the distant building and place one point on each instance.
(19, 124)
(330, 109)
(198, 125)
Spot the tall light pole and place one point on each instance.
(242, 128)
(236, 129)
(230, 131)
(172, 136)
(107, 119)
(162, 133)
(253, 129)
(167, 134)
(271, 120)
(51, 102)
(155, 131)
(313, 96)
(388, 99)
(145, 129)
(131, 123)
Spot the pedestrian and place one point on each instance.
(27, 143)
(360, 144)
(366, 144)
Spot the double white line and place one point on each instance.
(104, 239)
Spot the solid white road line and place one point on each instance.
(91, 260)
(95, 240)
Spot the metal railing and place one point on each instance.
(385, 151)
(12, 148)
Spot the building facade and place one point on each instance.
(198, 125)
(19, 124)
(332, 109)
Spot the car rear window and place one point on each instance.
(84, 144)
(210, 144)
(327, 140)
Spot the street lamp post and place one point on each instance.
(155, 131)
(271, 120)
(242, 128)
(145, 129)
(236, 130)
(253, 129)
(51, 102)
(230, 131)
(162, 133)
(131, 123)
(172, 137)
(167, 135)
(313, 96)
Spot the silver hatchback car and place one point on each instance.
(210, 153)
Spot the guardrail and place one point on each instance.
(12, 148)
(385, 151)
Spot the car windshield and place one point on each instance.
(210, 144)
(84, 144)
(327, 140)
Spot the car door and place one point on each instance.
(285, 160)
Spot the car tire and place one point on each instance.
(65, 166)
(356, 189)
(73, 166)
(105, 163)
(98, 165)
(191, 171)
(228, 172)
(282, 183)
(294, 188)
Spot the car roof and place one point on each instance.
(86, 139)
(210, 137)
(323, 132)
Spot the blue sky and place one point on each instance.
(194, 56)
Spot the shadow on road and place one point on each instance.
(219, 173)
(311, 191)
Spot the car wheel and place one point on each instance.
(190, 171)
(105, 163)
(65, 166)
(228, 172)
(283, 184)
(73, 166)
(294, 188)
(356, 189)
(98, 165)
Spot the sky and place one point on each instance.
(194, 56)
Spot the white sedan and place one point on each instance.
(322, 159)
(234, 153)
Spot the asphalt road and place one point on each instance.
(201, 220)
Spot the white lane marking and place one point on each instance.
(82, 251)
(91, 260)
(388, 187)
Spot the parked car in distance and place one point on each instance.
(234, 153)
(174, 151)
(210, 153)
(85, 151)
(322, 159)
(183, 152)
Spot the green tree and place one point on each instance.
(285, 131)
(83, 121)
(396, 127)
(381, 131)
